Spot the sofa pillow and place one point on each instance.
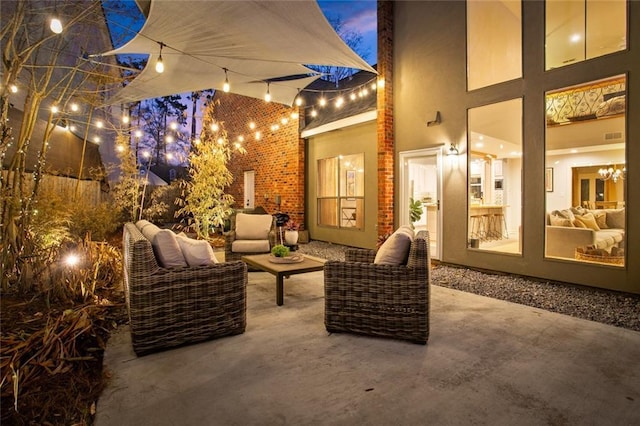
(142, 223)
(615, 218)
(578, 210)
(253, 226)
(149, 230)
(196, 252)
(578, 224)
(395, 250)
(557, 220)
(601, 218)
(589, 221)
(566, 213)
(166, 248)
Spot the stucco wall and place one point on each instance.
(430, 75)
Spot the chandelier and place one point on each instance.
(612, 173)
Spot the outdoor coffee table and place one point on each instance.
(282, 270)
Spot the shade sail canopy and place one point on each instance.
(254, 41)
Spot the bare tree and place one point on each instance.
(50, 72)
(353, 39)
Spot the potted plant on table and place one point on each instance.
(291, 232)
(280, 250)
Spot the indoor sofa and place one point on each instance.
(577, 227)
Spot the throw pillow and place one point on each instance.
(601, 219)
(395, 251)
(253, 226)
(567, 214)
(578, 210)
(142, 223)
(557, 220)
(196, 252)
(589, 221)
(615, 218)
(167, 249)
(578, 224)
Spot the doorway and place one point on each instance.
(420, 182)
(249, 189)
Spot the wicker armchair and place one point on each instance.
(380, 300)
(233, 251)
(173, 306)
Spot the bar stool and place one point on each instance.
(478, 226)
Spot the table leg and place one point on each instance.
(279, 289)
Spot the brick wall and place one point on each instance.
(277, 158)
(385, 118)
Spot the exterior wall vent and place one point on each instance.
(612, 136)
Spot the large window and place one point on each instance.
(586, 171)
(341, 191)
(580, 30)
(495, 177)
(494, 42)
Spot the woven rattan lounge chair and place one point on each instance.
(380, 300)
(173, 306)
(257, 237)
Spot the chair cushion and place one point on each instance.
(253, 226)
(395, 250)
(196, 252)
(250, 246)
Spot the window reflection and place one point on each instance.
(585, 148)
(495, 176)
(580, 30)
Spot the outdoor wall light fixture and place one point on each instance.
(435, 121)
(453, 150)
(159, 63)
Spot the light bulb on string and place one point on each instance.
(159, 63)
(323, 101)
(13, 88)
(298, 99)
(55, 25)
(74, 107)
(267, 96)
(314, 113)
(225, 86)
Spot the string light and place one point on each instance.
(252, 125)
(159, 63)
(267, 96)
(225, 86)
(323, 101)
(55, 25)
(298, 99)
(13, 88)
(99, 124)
(54, 109)
(125, 118)
(74, 107)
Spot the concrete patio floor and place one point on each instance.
(486, 362)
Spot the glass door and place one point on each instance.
(420, 188)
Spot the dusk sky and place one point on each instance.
(359, 16)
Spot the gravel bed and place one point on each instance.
(604, 306)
